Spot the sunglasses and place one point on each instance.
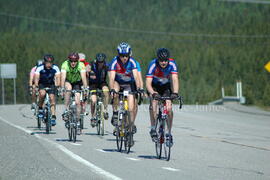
(124, 55)
(163, 60)
(73, 61)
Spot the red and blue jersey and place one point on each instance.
(124, 73)
(161, 76)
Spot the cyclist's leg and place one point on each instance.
(115, 104)
(68, 86)
(170, 115)
(105, 90)
(42, 94)
(93, 104)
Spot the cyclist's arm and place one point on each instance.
(83, 75)
(149, 85)
(36, 77)
(175, 83)
(136, 77)
(57, 79)
(63, 78)
(140, 78)
(31, 78)
(111, 79)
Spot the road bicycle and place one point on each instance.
(161, 121)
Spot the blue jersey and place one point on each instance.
(46, 76)
(100, 73)
(124, 73)
(138, 66)
(161, 76)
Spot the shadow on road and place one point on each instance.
(42, 132)
(147, 157)
(66, 140)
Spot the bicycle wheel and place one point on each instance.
(47, 120)
(102, 119)
(74, 125)
(119, 133)
(129, 135)
(81, 121)
(167, 151)
(39, 122)
(160, 141)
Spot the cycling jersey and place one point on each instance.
(124, 73)
(84, 62)
(100, 73)
(47, 75)
(161, 76)
(73, 74)
(138, 66)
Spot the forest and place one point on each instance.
(215, 43)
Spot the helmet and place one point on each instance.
(39, 62)
(100, 57)
(163, 54)
(48, 58)
(81, 56)
(124, 48)
(73, 57)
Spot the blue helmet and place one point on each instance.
(124, 48)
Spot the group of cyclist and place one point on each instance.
(124, 75)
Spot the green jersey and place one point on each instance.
(73, 74)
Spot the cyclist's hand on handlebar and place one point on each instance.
(155, 95)
(141, 91)
(174, 96)
(30, 88)
(112, 92)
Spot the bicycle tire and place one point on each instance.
(74, 125)
(47, 120)
(38, 122)
(129, 136)
(167, 152)
(119, 134)
(160, 141)
(102, 119)
(81, 122)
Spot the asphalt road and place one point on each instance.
(210, 142)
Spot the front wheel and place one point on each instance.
(160, 138)
(47, 121)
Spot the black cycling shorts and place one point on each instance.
(52, 86)
(164, 90)
(128, 87)
(77, 85)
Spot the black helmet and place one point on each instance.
(100, 57)
(163, 54)
(48, 58)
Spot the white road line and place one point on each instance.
(75, 144)
(170, 169)
(93, 167)
(133, 159)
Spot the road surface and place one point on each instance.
(210, 142)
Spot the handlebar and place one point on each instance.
(163, 98)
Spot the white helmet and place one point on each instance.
(124, 48)
(81, 56)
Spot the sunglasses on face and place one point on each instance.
(73, 61)
(163, 60)
(124, 55)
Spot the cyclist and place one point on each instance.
(162, 80)
(73, 77)
(82, 58)
(97, 80)
(47, 76)
(124, 74)
(32, 89)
